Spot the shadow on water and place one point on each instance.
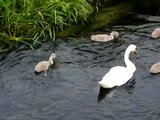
(109, 92)
(103, 92)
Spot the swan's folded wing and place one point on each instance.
(117, 76)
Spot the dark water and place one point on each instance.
(70, 90)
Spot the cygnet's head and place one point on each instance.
(53, 56)
(133, 48)
(115, 34)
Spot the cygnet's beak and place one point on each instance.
(136, 51)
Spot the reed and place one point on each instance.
(28, 20)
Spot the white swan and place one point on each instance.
(119, 75)
(105, 37)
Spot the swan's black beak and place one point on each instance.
(136, 51)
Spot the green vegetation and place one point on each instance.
(28, 20)
(111, 15)
(104, 17)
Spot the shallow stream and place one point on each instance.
(70, 90)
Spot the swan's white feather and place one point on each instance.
(117, 76)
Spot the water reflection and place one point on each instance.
(70, 89)
(103, 92)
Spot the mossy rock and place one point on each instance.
(102, 18)
(111, 15)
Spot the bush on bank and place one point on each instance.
(28, 20)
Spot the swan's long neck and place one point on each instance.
(111, 36)
(50, 60)
(128, 63)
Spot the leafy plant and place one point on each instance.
(29, 20)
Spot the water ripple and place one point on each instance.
(70, 89)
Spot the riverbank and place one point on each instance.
(103, 18)
(62, 22)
